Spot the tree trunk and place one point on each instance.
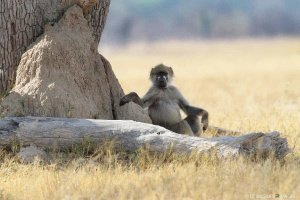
(22, 22)
(61, 133)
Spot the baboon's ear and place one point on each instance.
(151, 72)
(171, 70)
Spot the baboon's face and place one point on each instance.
(161, 79)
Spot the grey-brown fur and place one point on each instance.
(164, 102)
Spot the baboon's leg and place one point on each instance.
(194, 123)
(182, 127)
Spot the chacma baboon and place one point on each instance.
(164, 102)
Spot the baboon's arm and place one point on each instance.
(132, 96)
(144, 102)
(185, 105)
(148, 98)
(193, 111)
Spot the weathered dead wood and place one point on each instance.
(62, 133)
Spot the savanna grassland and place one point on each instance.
(246, 85)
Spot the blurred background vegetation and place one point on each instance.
(155, 20)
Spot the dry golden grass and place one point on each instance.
(248, 85)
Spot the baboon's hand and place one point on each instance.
(124, 100)
(205, 125)
(205, 120)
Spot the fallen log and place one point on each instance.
(63, 133)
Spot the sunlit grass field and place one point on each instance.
(246, 85)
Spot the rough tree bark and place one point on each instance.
(62, 133)
(21, 22)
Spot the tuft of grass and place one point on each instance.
(111, 173)
(70, 110)
(15, 146)
(96, 116)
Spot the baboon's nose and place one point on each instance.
(161, 79)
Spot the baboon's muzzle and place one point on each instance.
(161, 82)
